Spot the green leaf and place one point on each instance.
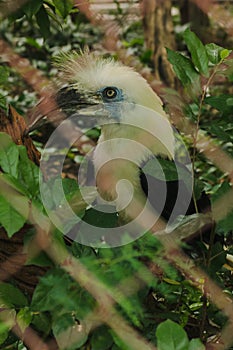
(28, 172)
(226, 223)
(9, 155)
(167, 170)
(183, 67)
(56, 291)
(31, 248)
(13, 203)
(80, 250)
(222, 131)
(69, 334)
(42, 322)
(100, 217)
(222, 102)
(196, 344)
(101, 339)
(58, 191)
(198, 188)
(214, 52)
(51, 291)
(224, 53)
(4, 330)
(171, 336)
(226, 211)
(63, 7)
(40, 259)
(46, 188)
(4, 74)
(115, 347)
(69, 187)
(43, 22)
(120, 344)
(198, 51)
(222, 190)
(11, 296)
(13, 183)
(65, 321)
(10, 218)
(218, 258)
(3, 102)
(24, 317)
(32, 7)
(164, 169)
(230, 101)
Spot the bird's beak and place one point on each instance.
(71, 100)
(67, 102)
(82, 104)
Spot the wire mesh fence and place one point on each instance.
(81, 292)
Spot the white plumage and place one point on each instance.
(141, 127)
(89, 72)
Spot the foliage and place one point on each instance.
(62, 30)
(207, 61)
(163, 306)
(171, 336)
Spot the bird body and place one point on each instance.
(134, 126)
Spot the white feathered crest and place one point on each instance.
(90, 72)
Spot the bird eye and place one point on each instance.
(110, 93)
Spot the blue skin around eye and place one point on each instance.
(113, 105)
(119, 97)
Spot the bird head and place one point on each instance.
(105, 80)
(86, 80)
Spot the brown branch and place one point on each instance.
(106, 299)
(10, 6)
(12, 255)
(159, 34)
(29, 336)
(217, 13)
(110, 29)
(46, 107)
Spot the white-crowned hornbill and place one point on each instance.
(135, 131)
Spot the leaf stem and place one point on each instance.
(196, 130)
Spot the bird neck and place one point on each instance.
(121, 142)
